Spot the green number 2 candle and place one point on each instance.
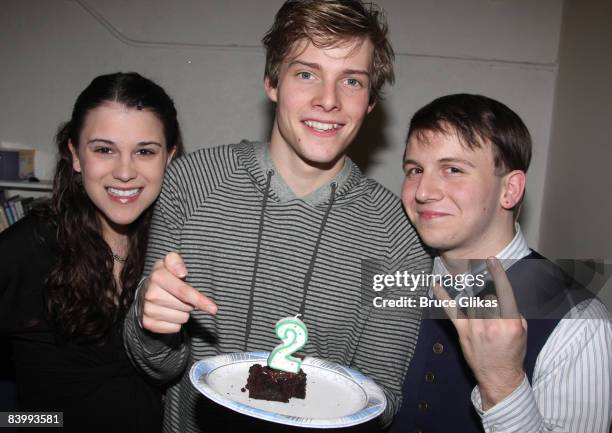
(294, 336)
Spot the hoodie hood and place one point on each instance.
(256, 159)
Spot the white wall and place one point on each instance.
(207, 55)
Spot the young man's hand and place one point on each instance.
(166, 300)
(495, 346)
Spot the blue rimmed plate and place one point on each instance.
(336, 396)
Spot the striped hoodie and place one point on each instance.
(262, 254)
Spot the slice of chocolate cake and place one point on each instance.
(265, 383)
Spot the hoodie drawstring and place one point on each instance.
(313, 257)
(269, 173)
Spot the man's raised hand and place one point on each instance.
(494, 347)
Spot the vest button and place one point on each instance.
(438, 348)
(418, 431)
(423, 405)
(429, 376)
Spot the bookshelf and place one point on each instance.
(43, 186)
(18, 197)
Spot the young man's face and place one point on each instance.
(453, 196)
(321, 100)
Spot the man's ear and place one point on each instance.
(513, 189)
(76, 162)
(271, 90)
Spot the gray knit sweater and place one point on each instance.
(263, 254)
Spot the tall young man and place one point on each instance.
(271, 230)
(545, 363)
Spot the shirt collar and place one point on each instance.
(282, 190)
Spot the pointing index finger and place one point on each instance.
(171, 279)
(189, 295)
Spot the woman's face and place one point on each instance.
(122, 156)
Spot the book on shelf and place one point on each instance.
(3, 221)
(9, 212)
(16, 207)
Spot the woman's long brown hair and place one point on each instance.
(83, 299)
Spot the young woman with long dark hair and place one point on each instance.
(69, 270)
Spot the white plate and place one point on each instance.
(336, 396)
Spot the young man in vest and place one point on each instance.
(505, 370)
(268, 230)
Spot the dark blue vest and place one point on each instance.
(438, 384)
